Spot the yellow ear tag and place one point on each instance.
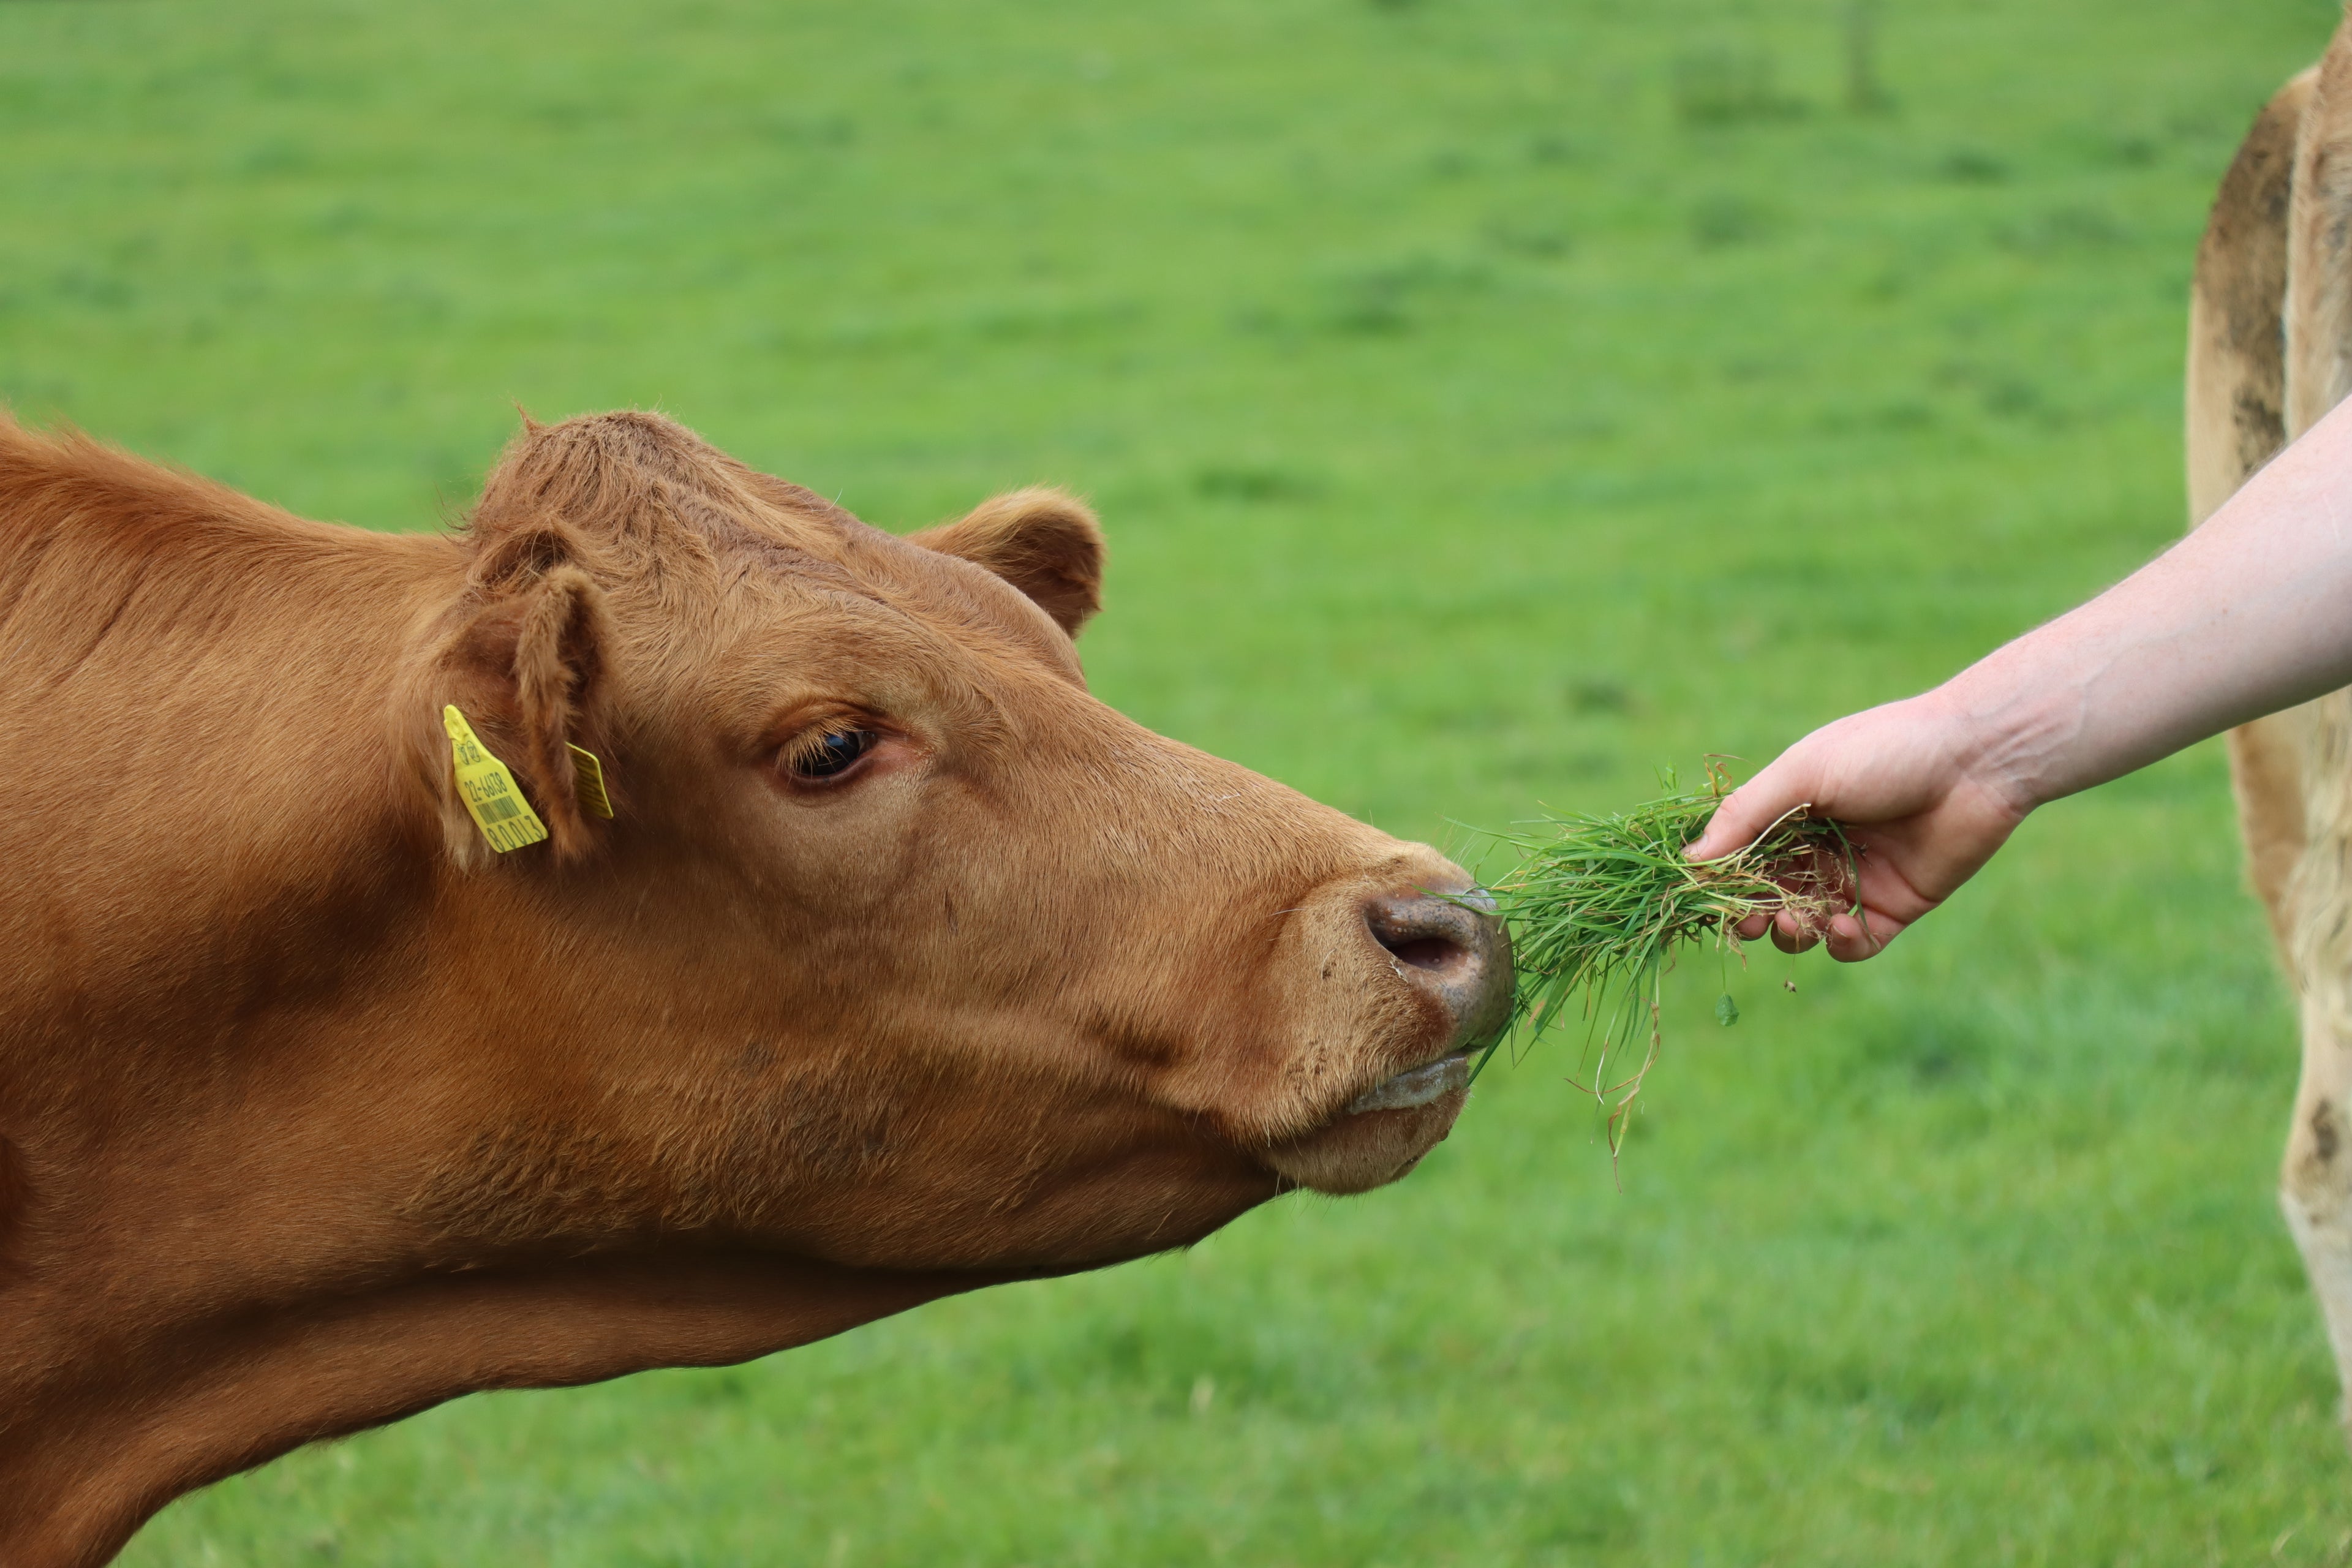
(588, 783)
(491, 796)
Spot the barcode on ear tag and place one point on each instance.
(492, 797)
(588, 783)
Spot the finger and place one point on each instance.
(1851, 940)
(1792, 934)
(1727, 830)
(1752, 927)
(1745, 813)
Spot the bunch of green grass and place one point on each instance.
(1599, 905)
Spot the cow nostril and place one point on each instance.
(1424, 933)
(1452, 948)
(1425, 952)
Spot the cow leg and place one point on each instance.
(2316, 1182)
(2266, 759)
(2314, 912)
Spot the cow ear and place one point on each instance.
(526, 667)
(1045, 543)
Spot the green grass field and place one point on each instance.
(1490, 403)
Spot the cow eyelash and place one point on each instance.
(824, 754)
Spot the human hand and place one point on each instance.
(1918, 794)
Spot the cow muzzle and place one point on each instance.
(1451, 952)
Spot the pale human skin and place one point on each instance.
(2249, 613)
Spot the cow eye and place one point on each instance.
(829, 753)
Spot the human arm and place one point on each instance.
(2250, 613)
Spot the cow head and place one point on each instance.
(901, 949)
(900, 964)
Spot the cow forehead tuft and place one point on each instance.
(635, 481)
(661, 512)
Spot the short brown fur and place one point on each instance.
(314, 1112)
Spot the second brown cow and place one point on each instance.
(902, 965)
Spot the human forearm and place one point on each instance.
(2249, 613)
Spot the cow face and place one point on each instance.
(901, 949)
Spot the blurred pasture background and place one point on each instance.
(1490, 403)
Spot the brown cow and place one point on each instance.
(903, 965)
(2270, 351)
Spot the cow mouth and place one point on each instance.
(1381, 1133)
(1416, 1086)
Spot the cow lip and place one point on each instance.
(1416, 1086)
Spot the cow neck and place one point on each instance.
(80, 1471)
(214, 842)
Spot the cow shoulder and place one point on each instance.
(2237, 370)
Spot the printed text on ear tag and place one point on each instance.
(588, 783)
(491, 796)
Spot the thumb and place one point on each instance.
(1745, 813)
